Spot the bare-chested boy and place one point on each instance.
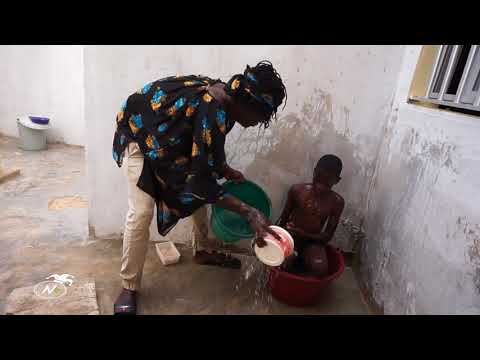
(308, 208)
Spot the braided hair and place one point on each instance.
(260, 86)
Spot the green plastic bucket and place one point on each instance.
(231, 227)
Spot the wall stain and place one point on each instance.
(440, 152)
(420, 162)
(286, 153)
(472, 234)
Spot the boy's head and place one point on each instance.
(257, 93)
(327, 171)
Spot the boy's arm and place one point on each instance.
(333, 220)
(287, 210)
(332, 223)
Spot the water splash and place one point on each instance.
(254, 283)
(249, 271)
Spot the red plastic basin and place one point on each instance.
(304, 291)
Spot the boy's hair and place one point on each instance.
(330, 163)
(260, 86)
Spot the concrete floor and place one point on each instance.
(42, 234)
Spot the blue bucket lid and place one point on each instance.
(39, 120)
(35, 122)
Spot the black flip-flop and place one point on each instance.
(125, 309)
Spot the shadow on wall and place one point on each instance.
(287, 152)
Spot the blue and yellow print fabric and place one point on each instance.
(180, 128)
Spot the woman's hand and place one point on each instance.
(261, 226)
(233, 175)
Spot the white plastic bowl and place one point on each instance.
(275, 252)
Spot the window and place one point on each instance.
(455, 78)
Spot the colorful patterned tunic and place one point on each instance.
(181, 131)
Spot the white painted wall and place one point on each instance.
(410, 172)
(339, 97)
(422, 255)
(44, 81)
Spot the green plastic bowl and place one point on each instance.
(231, 227)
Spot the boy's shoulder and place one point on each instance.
(300, 187)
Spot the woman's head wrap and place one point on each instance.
(261, 86)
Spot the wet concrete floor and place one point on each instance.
(44, 230)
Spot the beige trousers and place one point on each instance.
(139, 216)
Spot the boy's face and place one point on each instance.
(323, 178)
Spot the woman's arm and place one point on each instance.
(257, 221)
(233, 204)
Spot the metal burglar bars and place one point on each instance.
(455, 78)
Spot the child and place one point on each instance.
(308, 208)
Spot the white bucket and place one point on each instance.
(31, 136)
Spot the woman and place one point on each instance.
(172, 136)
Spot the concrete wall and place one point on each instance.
(422, 255)
(43, 81)
(339, 98)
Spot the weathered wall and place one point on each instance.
(339, 97)
(422, 255)
(44, 81)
